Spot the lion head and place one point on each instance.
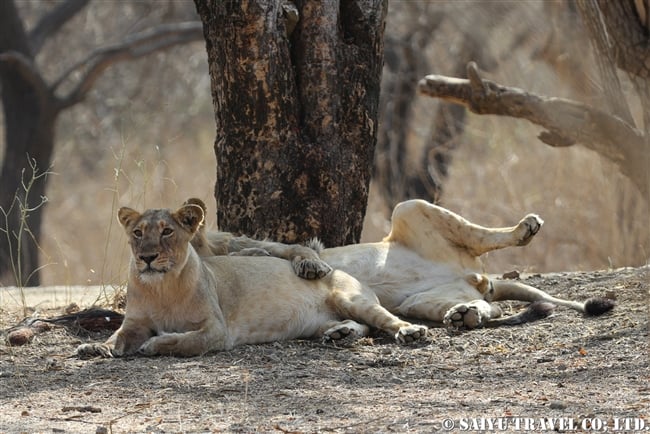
(159, 239)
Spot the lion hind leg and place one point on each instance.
(509, 290)
(422, 226)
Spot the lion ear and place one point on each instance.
(189, 216)
(126, 216)
(196, 201)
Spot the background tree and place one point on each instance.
(618, 34)
(414, 28)
(295, 87)
(32, 105)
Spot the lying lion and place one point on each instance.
(428, 267)
(180, 303)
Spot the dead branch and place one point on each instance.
(567, 122)
(51, 22)
(138, 45)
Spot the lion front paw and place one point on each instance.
(411, 333)
(87, 351)
(346, 329)
(465, 316)
(310, 268)
(149, 348)
(528, 227)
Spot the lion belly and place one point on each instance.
(262, 300)
(396, 273)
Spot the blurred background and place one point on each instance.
(143, 136)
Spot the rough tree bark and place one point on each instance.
(295, 87)
(31, 107)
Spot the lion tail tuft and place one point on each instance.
(315, 244)
(598, 306)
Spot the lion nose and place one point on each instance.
(148, 258)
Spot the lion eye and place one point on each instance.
(167, 232)
(137, 233)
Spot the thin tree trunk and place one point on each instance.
(296, 114)
(29, 121)
(31, 107)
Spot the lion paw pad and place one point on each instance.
(411, 333)
(310, 268)
(463, 316)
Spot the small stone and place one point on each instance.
(558, 405)
(20, 336)
(514, 274)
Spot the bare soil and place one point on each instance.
(591, 370)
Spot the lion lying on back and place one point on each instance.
(180, 303)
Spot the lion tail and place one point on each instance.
(536, 310)
(509, 290)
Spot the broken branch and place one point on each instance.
(566, 121)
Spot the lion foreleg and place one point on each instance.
(192, 343)
(360, 303)
(305, 261)
(125, 341)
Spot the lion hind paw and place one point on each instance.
(464, 316)
(529, 225)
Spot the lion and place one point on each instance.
(183, 304)
(428, 267)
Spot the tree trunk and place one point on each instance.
(296, 114)
(29, 114)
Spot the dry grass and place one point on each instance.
(84, 242)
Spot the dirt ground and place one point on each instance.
(588, 372)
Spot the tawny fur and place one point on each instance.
(180, 303)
